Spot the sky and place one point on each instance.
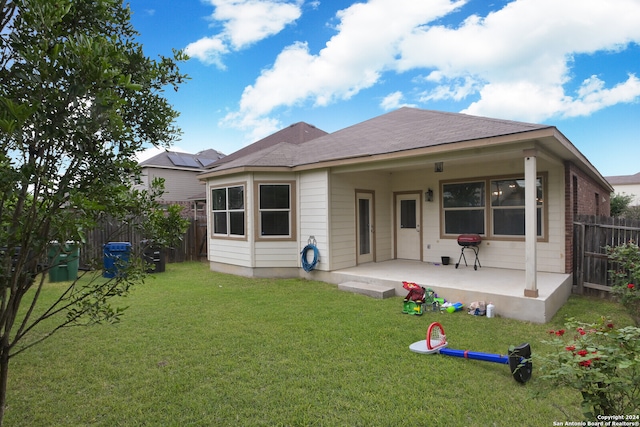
(257, 66)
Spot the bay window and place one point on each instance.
(228, 208)
(275, 210)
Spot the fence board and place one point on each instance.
(591, 236)
(190, 248)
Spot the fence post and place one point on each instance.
(579, 256)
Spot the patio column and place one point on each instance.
(530, 223)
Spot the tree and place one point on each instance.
(620, 203)
(78, 100)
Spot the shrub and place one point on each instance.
(598, 360)
(626, 276)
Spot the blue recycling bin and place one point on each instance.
(116, 258)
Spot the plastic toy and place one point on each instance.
(454, 307)
(417, 298)
(518, 358)
(413, 302)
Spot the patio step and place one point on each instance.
(369, 289)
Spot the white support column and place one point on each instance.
(530, 221)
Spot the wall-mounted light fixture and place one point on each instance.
(428, 195)
(438, 167)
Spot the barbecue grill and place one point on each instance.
(469, 241)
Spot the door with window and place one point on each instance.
(364, 227)
(407, 228)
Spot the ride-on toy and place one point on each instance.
(416, 299)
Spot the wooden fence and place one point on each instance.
(591, 236)
(193, 246)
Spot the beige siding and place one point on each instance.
(179, 185)
(276, 254)
(226, 250)
(629, 190)
(343, 216)
(229, 251)
(493, 253)
(313, 214)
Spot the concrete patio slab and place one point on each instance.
(505, 288)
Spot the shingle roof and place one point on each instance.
(623, 179)
(297, 133)
(175, 159)
(400, 130)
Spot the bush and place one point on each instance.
(599, 361)
(626, 276)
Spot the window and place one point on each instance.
(274, 208)
(464, 207)
(507, 207)
(228, 210)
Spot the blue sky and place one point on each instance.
(260, 65)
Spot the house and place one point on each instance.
(404, 186)
(180, 172)
(628, 185)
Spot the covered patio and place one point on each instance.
(504, 287)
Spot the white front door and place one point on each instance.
(408, 230)
(364, 227)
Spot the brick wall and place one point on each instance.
(583, 196)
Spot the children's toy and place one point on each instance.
(518, 358)
(457, 306)
(414, 300)
(417, 298)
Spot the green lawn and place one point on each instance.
(198, 348)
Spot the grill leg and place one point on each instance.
(477, 261)
(462, 257)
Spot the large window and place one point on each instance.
(274, 210)
(228, 211)
(507, 207)
(464, 207)
(468, 209)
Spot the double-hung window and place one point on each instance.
(507, 207)
(274, 210)
(228, 207)
(464, 207)
(493, 207)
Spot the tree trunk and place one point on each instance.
(4, 372)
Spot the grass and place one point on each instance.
(198, 348)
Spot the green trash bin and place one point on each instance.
(64, 261)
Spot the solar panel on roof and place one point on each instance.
(183, 160)
(205, 161)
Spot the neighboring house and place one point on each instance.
(403, 185)
(180, 172)
(628, 185)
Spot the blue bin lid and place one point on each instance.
(118, 246)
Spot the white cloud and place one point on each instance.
(457, 89)
(352, 60)
(244, 23)
(593, 96)
(513, 63)
(522, 54)
(393, 101)
(208, 50)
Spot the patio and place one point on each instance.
(503, 287)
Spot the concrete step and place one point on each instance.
(369, 289)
